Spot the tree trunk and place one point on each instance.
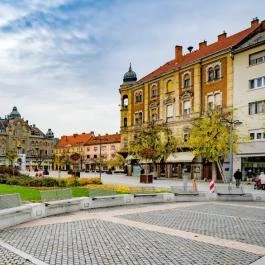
(214, 172)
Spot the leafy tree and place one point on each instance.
(154, 143)
(209, 137)
(117, 162)
(12, 156)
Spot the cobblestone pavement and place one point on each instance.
(223, 221)
(149, 234)
(9, 258)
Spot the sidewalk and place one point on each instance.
(122, 179)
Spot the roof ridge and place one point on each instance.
(205, 51)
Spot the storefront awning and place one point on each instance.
(180, 157)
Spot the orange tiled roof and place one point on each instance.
(205, 51)
(104, 139)
(75, 139)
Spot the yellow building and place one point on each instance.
(179, 92)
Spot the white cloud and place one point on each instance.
(62, 67)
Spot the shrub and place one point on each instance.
(72, 182)
(9, 170)
(88, 181)
(122, 189)
(49, 182)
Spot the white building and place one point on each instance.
(249, 102)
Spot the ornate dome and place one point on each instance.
(14, 113)
(130, 76)
(49, 134)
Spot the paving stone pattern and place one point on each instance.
(211, 220)
(9, 258)
(100, 242)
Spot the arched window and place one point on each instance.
(217, 72)
(138, 96)
(125, 122)
(210, 74)
(169, 86)
(153, 93)
(186, 81)
(125, 101)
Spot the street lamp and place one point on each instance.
(231, 124)
(99, 156)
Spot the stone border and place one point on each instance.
(10, 217)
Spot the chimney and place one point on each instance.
(254, 22)
(202, 44)
(178, 53)
(222, 36)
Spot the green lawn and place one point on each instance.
(33, 194)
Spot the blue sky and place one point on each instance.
(62, 61)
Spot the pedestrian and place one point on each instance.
(238, 177)
(262, 180)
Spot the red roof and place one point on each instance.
(75, 139)
(104, 139)
(205, 51)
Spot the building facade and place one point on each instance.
(101, 149)
(249, 102)
(34, 148)
(179, 92)
(70, 152)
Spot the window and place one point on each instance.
(113, 147)
(169, 111)
(186, 82)
(210, 74)
(257, 82)
(256, 107)
(95, 148)
(138, 118)
(153, 114)
(95, 156)
(125, 101)
(153, 92)
(169, 86)
(257, 135)
(210, 105)
(217, 72)
(138, 97)
(186, 108)
(125, 122)
(88, 156)
(257, 58)
(218, 101)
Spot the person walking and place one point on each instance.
(238, 177)
(262, 180)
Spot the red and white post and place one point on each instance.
(211, 186)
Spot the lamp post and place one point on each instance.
(231, 124)
(99, 156)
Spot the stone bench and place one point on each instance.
(229, 193)
(180, 190)
(229, 190)
(108, 201)
(59, 201)
(12, 212)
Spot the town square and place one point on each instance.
(132, 132)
